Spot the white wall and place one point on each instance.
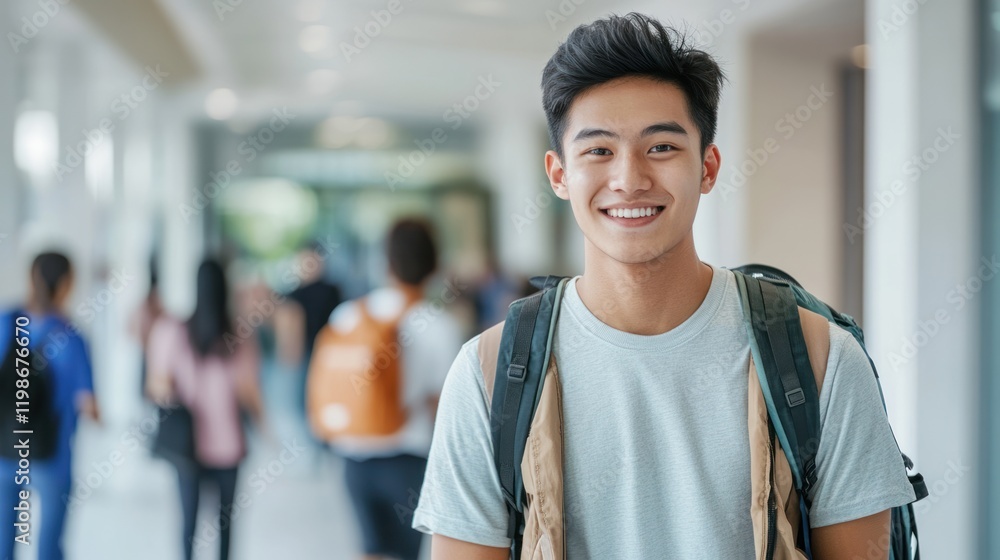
(794, 194)
(719, 228)
(10, 199)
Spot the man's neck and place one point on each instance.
(411, 292)
(646, 298)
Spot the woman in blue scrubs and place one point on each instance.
(72, 393)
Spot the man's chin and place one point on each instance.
(636, 255)
(631, 250)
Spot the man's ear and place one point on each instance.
(557, 174)
(710, 166)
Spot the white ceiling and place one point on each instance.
(428, 57)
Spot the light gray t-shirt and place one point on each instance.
(657, 458)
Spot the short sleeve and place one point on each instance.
(80, 358)
(162, 347)
(860, 471)
(461, 496)
(431, 339)
(69, 353)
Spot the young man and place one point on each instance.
(651, 346)
(384, 473)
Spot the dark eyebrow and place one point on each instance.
(670, 126)
(594, 133)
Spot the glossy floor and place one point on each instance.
(295, 508)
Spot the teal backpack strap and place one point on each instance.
(522, 359)
(778, 345)
(757, 286)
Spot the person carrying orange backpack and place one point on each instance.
(374, 380)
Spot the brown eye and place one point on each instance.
(662, 148)
(600, 152)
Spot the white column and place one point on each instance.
(921, 244)
(513, 153)
(948, 374)
(175, 184)
(891, 233)
(131, 221)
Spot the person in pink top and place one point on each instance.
(191, 364)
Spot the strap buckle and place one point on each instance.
(516, 372)
(768, 278)
(795, 397)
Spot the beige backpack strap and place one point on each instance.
(816, 331)
(489, 348)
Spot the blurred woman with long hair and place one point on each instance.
(204, 366)
(59, 354)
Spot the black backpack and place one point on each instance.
(770, 301)
(27, 396)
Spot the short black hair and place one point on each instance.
(630, 45)
(411, 250)
(48, 271)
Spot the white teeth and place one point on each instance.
(631, 212)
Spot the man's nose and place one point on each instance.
(631, 174)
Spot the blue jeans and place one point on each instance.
(50, 487)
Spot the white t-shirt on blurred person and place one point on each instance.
(436, 338)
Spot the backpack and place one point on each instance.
(770, 300)
(27, 382)
(354, 384)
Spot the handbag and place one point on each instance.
(174, 439)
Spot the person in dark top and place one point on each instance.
(317, 300)
(304, 313)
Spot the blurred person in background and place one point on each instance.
(214, 373)
(495, 291)
(142, 320)
(70, 390)
(373, 389)
(303, 314)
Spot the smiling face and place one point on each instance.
(632, 168)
